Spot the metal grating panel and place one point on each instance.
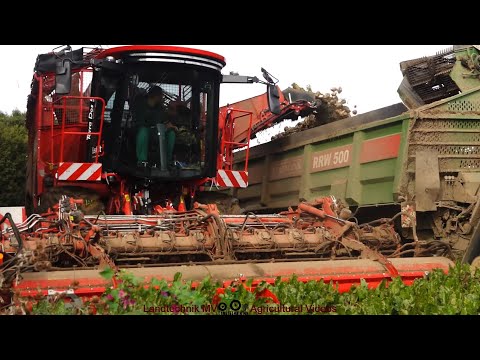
(457, 141)
(447, 124)
(452, 137)
(72, 111)
(446, 149)
(470, 164)
(464, 106)
(70, 108)
(449, 165)
(429, 77)
(423, 70)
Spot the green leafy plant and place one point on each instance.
(13, 158)
(457, 293)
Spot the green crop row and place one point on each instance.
(437, 293)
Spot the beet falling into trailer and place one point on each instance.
(90, 203)
(420, 158)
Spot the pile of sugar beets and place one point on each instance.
(330, 108)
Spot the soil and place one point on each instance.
(330, 108)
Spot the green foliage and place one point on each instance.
(246, 299)
(55, 307)
(457, 293)
(134, 297)
(307, 298)
(13, 157)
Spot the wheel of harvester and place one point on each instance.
(475, 264)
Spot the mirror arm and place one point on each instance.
(272, 80)
(238, 79)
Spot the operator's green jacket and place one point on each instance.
(146, 115)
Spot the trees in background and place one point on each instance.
(13, 158)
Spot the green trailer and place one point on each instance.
(422, 159)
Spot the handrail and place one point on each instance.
(228, 145)
(64, 133)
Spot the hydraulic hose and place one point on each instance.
(8, 217)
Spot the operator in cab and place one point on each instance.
(150, 111)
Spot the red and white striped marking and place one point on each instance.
(229, 178)
(79, 172)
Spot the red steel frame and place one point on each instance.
(161, 48)
(342, 281)
(228, 145)
(46, 127)
(64, 107)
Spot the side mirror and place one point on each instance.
(63, 77)
(273, 99)
(268, 77)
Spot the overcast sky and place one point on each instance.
(368, 74)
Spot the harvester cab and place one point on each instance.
(133, 125)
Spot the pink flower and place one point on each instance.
(126, 301)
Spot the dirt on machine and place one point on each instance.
(329, 107)
(91, 203)
(414, 161)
